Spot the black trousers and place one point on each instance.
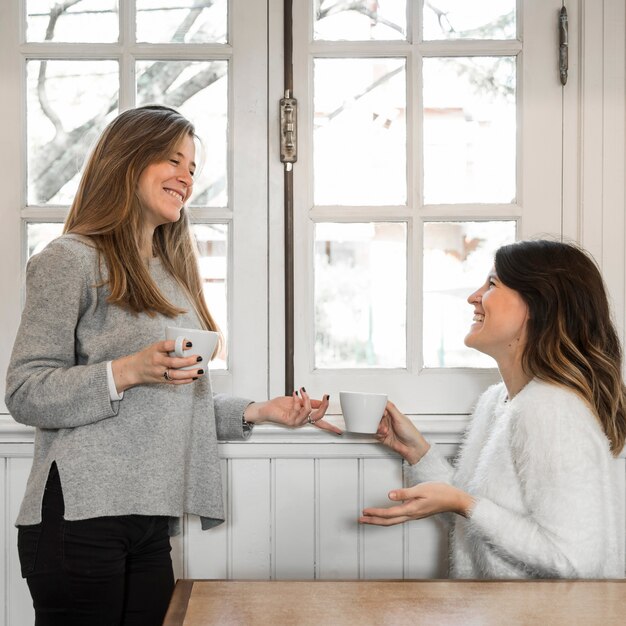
(105, 571)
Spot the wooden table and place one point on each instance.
(396, 603)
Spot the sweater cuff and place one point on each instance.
(431, 467)
(112, 386)
(229, 417)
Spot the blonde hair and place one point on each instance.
(571, 339)
(106, 209)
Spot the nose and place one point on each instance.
(186, 178)
(474, 297)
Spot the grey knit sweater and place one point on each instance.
(152, 453)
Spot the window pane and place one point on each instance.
(199, 90)
(84, 21)
(68, 105)
(212, 241)
(359, 140)
(182, 21)
(360, 295)
(362, 20)
(457, 258)
(40, 234)
(469, 130)
(460, 19)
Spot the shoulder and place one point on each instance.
(68, 251)
(490, 398)
(485, 412)
(67, 260)
(545, 410)
(539, 398)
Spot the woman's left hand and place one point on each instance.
(291, 411)
(420, 501)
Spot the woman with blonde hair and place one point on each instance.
(125, 440)
(534, 492)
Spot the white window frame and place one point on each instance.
(538, 208)
(247, 211)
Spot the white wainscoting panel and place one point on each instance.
(19, 605)
(338, 498)
(293, 531)
(382, 550)
(206, 552)
(251, 519)
(4, 521)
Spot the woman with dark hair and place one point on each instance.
(125, 440)
(534, 491)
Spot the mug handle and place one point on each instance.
(178, 347)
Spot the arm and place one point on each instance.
(45, 386)
(423, 462)
(290, 411)
(561, 463)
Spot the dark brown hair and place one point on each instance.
(571, 339)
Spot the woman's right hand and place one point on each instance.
(150, 365)
(398, 432)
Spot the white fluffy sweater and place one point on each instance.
(546, 489)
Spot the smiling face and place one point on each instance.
(500, 316)
(165, 186)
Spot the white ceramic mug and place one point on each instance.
(203, 343)
(362, 412)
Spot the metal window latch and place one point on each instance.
(563, 45)
(288, 130)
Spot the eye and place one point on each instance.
(175, 161)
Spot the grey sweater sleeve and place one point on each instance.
(229, 417)
(46, 387)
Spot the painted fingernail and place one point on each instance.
(327, 396)
(200, 371)
(303, 389)
(195, 378)
(199, 359)
(188, 344)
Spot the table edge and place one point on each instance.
(178, 604)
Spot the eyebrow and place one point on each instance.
(180, 154)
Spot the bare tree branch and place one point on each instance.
(44, 103)
(55, 12)
(383, 79)
(59, 160)
(196, 83)
(194, 13)
(358, 6)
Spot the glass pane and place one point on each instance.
(359, 141)
(360, 295)
(212, 240)
(469, 130)
(362, 20)
(40, 234)
(68, 105)
(84, 21)
(199, 90)
(182, 21)
(460, 19)
(457, 259)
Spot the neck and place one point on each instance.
(514, 377)
(145, 243)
